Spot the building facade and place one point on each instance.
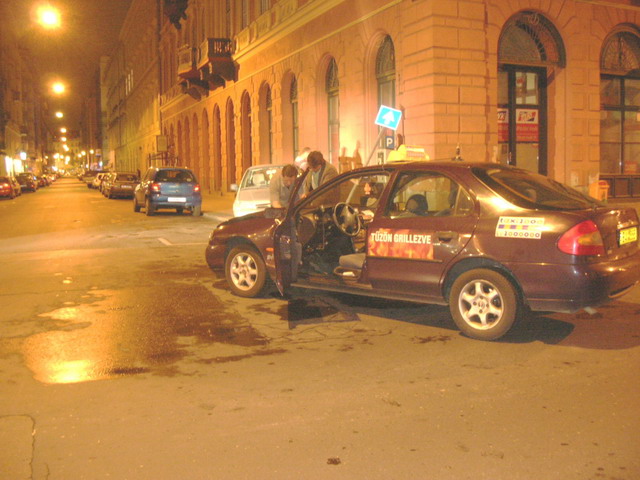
(130, 80)
(24, 135)
(550, 86)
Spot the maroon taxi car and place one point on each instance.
(490, 241)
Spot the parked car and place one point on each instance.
(252, 195)
(168, 187)
(492, 242)
(9, 187)
(120, 184)
(97, 181)
(28, 182)
(88, 177)
(42, 181)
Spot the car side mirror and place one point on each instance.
(233, 187)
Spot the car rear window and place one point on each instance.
(123, 177)
(259, 177)
(530, 190)
(178, 176)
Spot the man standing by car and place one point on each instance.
(281, 186)
(319, 171)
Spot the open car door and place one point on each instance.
(286, 248)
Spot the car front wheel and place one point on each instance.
(245, 271)
(483, 304)
(136, 207)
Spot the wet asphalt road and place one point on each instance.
(122, 356)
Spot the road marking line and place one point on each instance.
(166, 242)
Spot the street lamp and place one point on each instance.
(58, 88)
(48, 16)
(59, 114)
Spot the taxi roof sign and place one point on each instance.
(388, 117)
(407, 152)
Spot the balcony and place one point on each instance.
(187, 57)
(215, 62)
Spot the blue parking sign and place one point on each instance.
(388, 117)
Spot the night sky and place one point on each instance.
(72, 53)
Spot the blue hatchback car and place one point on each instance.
(168, 187)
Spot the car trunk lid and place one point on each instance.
(619, 228)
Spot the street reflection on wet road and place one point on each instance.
(131, 331)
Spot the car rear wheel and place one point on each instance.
(197, 211)
(148, 208)
(245, 271)
(483, 304)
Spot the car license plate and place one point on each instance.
(177, 199)
(126, 186)
(627, 235)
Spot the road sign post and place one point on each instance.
(387, 118)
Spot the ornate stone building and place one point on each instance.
(23, 132)
(551, 86)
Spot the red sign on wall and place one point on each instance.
(527, 125)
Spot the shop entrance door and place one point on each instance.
(522, 117)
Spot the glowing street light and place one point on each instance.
(58, 88)
(48, 16)
(59, 114)
(63, 130)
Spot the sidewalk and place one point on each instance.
(218, 206)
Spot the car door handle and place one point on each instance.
(447, 236)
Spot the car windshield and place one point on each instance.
(530, 190)
(124, 177)
(178, 176)
(259, 177)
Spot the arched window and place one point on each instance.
(245, 132)
(333, 111)
(266, 125)
(231, 144)
(620, 104)
(386, 73)
(529, 48)
(295, 126)
(531, 39)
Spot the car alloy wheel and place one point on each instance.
(245, 271)
(483, 304)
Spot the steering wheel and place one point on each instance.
(347, 219)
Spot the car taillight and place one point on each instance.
(582, 239)
(4, 185)
(196, 188)
(155, 187)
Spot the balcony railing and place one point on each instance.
(187, 62)
(215, 58)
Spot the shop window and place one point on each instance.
(620, 104)
(333, 111)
